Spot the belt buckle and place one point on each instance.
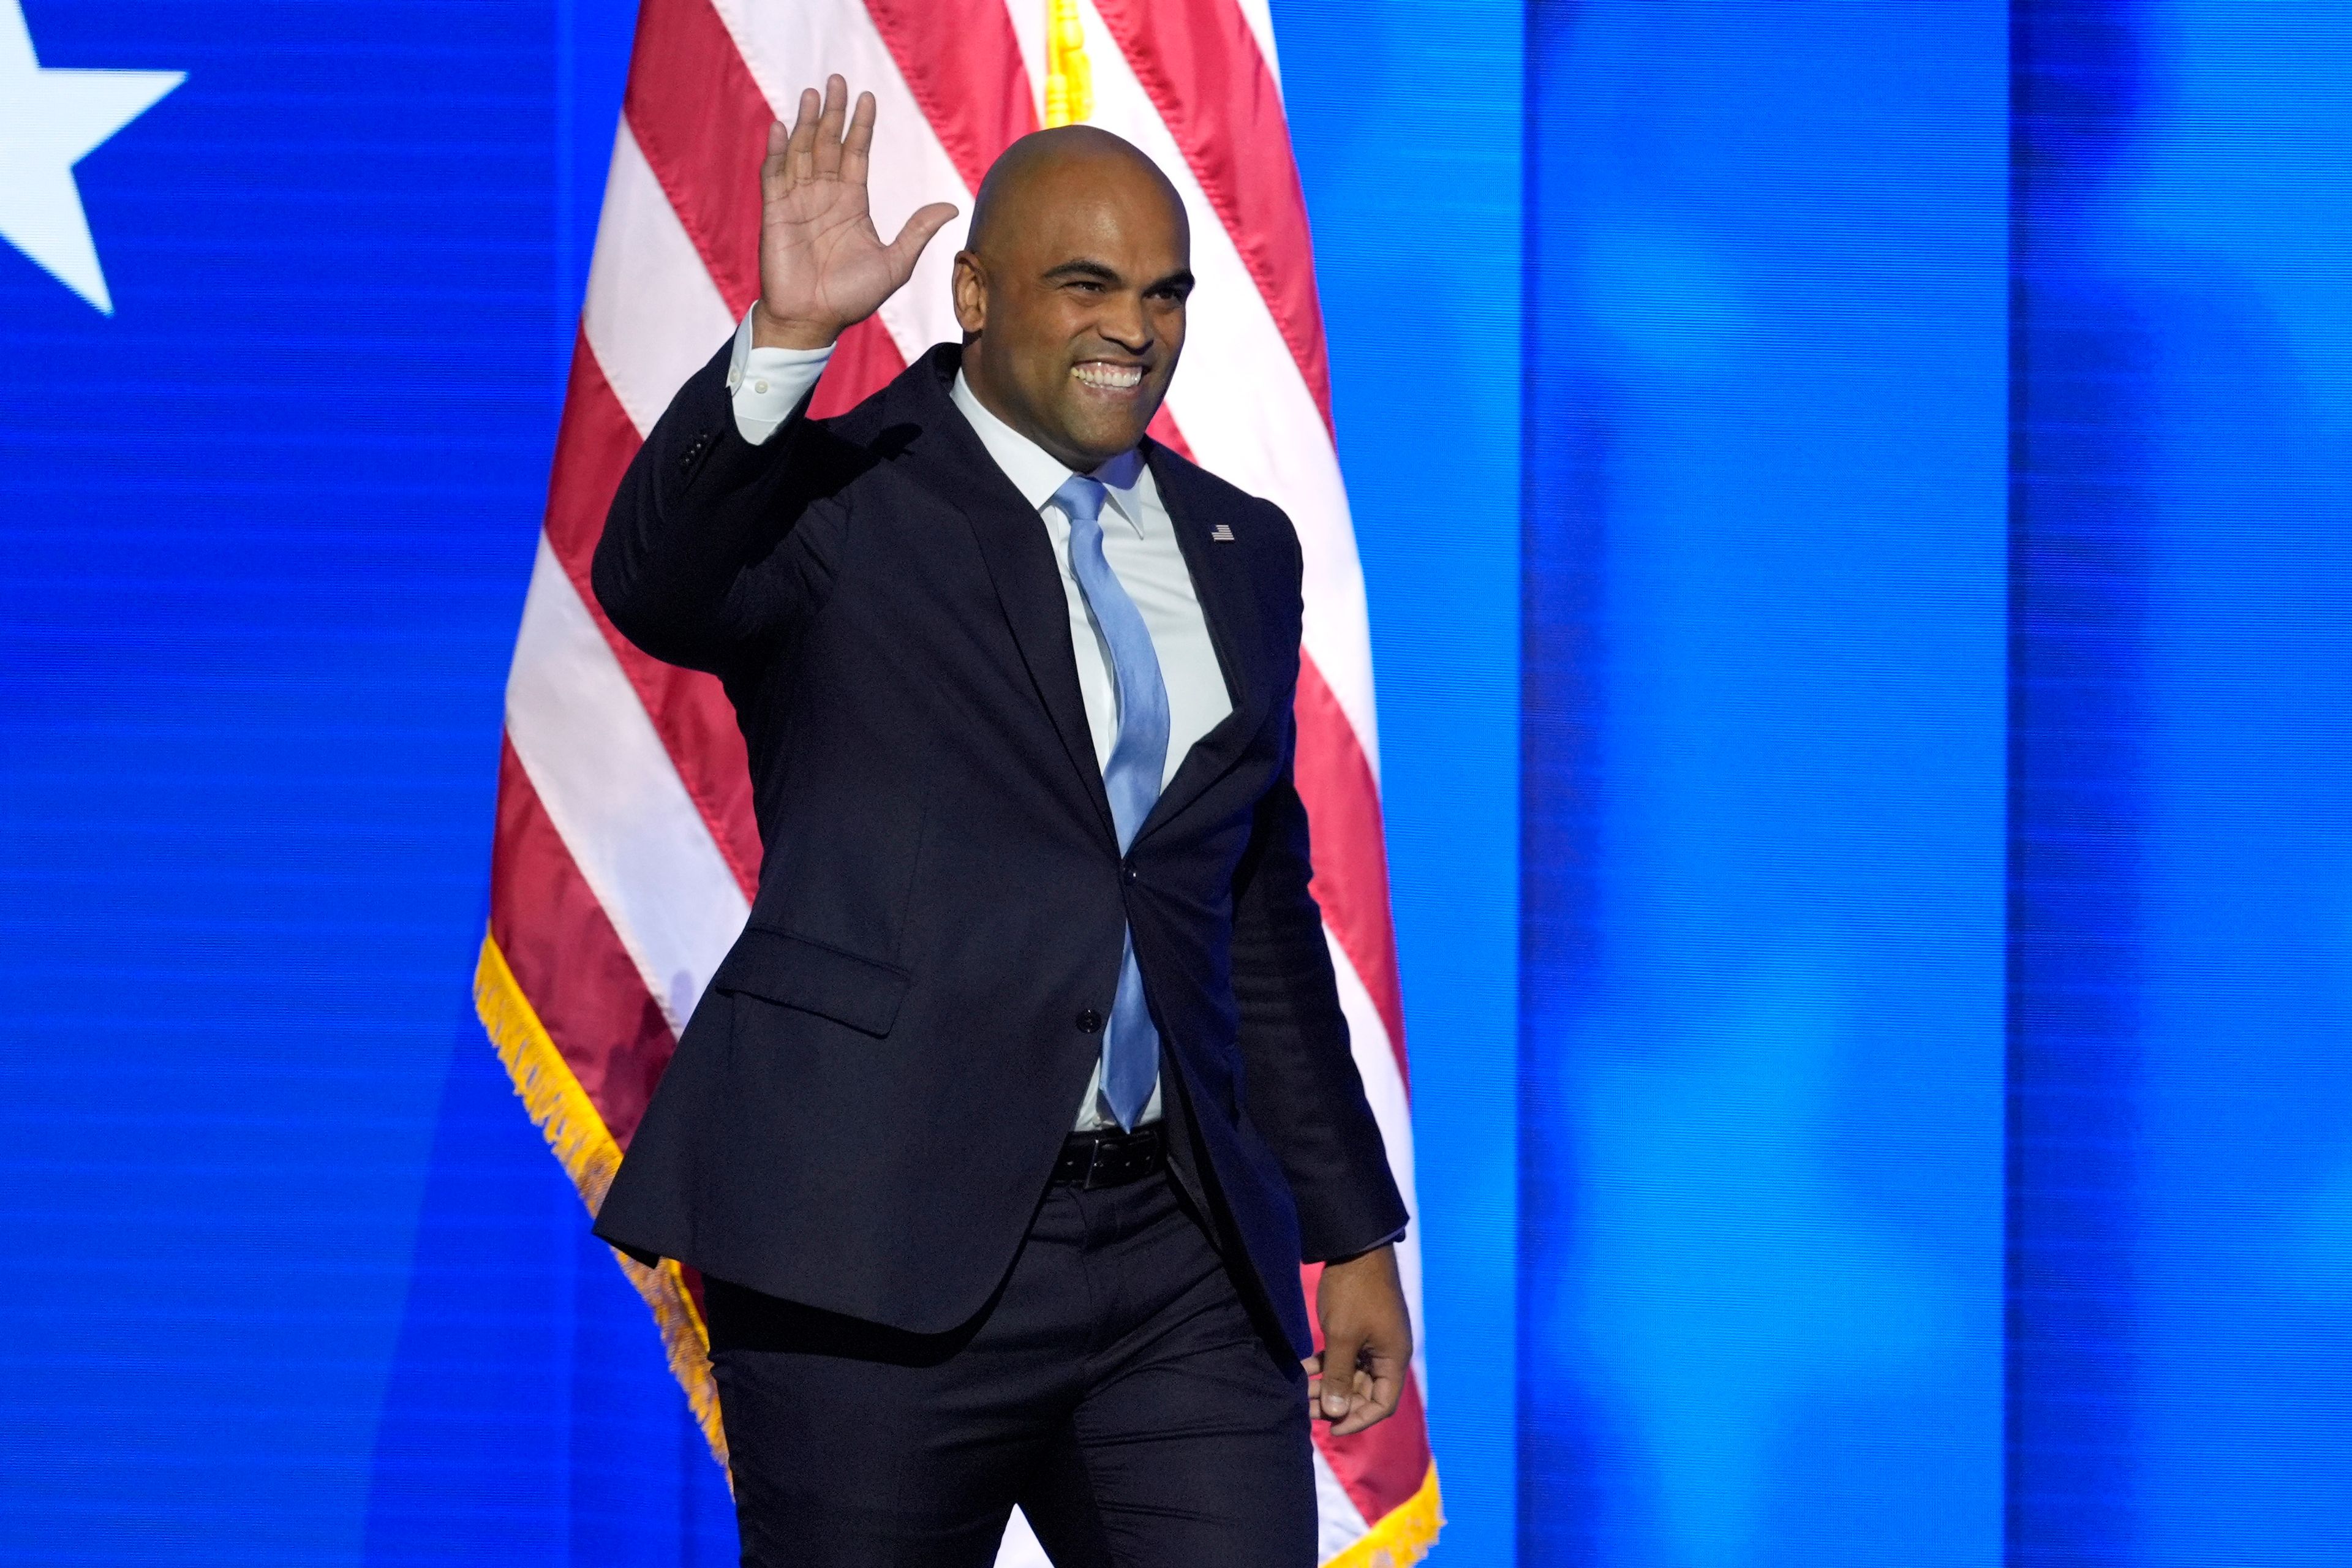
(1118, 1158)
(1098, 1167)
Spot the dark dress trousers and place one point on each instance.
(1114, 1388)
(865, 1110)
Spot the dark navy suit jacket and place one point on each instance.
(864, 1110)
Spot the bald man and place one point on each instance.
(1003, 1128)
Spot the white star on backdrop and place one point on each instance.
(50, 119)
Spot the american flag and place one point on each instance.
(625, 852)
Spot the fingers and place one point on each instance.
(1364, 1394)
(774, 177)
(827, 151)
(907, 248)
(800, 158)
(1337, 1393)
(827, 140)
(1374, 1397)
(858, 146)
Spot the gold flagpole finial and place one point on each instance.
(1069, 84)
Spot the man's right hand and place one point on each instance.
(822, 267)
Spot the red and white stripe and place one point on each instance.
(627, 851)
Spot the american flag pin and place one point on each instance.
(1223, 531)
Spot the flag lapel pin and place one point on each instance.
(1222, 534)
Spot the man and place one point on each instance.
(1005, 1125)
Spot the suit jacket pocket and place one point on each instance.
(794, 971)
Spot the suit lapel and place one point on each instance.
(1228, 595)
(1021, 566)
(1028, 582)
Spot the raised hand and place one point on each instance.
(822, 267)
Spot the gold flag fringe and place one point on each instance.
(1402, 1536)
(577, 1135)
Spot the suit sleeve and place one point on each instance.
(690, 567)
(1299, 1077)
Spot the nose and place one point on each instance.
(1124, 321)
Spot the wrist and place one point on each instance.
(1384, 1252)
(770, 331)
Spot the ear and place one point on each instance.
(970, 292)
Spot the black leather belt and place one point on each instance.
(1111, 1158)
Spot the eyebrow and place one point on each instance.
(1083, 266)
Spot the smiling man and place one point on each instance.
(1003, 1129)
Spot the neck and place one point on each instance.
(976, 376)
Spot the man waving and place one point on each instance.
(1003, 1130)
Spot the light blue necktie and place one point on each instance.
(1130, 1052)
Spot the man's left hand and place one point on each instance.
(1367, 1342)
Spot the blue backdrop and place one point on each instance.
(1854, 505)
(1761, 1027)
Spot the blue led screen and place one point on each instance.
(1761, 1031)
(2183, 621)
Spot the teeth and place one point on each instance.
(1111, 377)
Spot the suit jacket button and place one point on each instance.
(1090, 1021)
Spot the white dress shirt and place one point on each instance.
(1138, 543)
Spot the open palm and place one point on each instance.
(823, 265)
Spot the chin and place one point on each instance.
(1104, 438)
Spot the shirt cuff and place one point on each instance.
(766, 384)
